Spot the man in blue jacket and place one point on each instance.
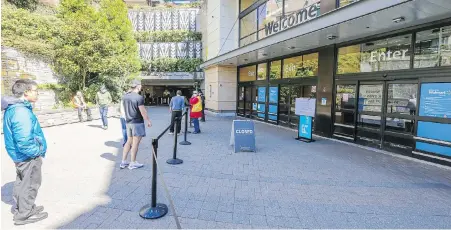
(26, 145)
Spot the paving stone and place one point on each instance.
(226, 217)
(207, 215)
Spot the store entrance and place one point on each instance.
(379, 114)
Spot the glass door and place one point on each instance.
(273, 104)
(261, 102)
(400, 110)
(369, 113)
(240, 111)
(345, 104)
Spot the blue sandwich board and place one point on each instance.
(243, 136)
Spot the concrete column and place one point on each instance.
(324, 91)
(220, 90)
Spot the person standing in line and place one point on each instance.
(103, 99)
(202, 96)
(81, 106)
(196, 111)
(135, 116)
(176, 107)
(123, 122)
(26, 145)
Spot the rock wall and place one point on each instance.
(16, 65)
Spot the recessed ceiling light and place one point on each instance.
(231, 63)
(245, 59)
(367, 27)
(435, 31)
(292, 47)
(369, 44)
(264, 55)
(398, 20)
(331, 37)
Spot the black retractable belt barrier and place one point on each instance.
(185, 142)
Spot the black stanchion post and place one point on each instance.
(174, 160)
(185, 142)
(154, 210)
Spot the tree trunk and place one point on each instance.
(84, 80)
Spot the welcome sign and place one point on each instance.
(297, 18)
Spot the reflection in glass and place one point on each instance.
(247, 73)
(261, 69)
(399, 125)
(248, 24)
(244, 4)
(301, 66)
(345, 97)
(248, 40)
(344, 117)
(293, 6)
(269, 11)
(370, 98)
(402, 98)
(381, 55)
(369, 121)
(397, 143)
(346, 2)
(275, 70)
(433, 48)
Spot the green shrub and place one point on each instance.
(167, 36)
(171, 65)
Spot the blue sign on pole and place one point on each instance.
(305, 128)
(243, 136)
(435, 100)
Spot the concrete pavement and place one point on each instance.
(286, 184)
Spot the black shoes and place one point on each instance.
(37, 215)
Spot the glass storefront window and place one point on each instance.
(370, 98)
(293, 6)
(275, 70)
(292, 67)
(261, 69)
(345, 97)
(301, 66)
(433, 48)
(247, 74)
(248, 40)
(270, 11)
(248, 24)
(346, 2)
(402, 98)
(381, 55)
(244, 4)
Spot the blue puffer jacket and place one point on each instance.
(23, 135)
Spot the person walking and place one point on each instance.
(135, 116)
(26, 146)
(196, 111)
(176, 107)
(202, 96)
(123, 122)
(81, 106)
(103, 99)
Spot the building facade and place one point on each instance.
(170, 49)
(379, 70)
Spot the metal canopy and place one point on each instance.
(358, 20)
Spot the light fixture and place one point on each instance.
(245, 59)
(398, 20)
(331, 37)
(292, 47)
(264, 55)
(367, 27)
(369, 44)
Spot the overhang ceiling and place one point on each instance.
(359, 20)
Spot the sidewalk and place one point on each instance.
(286, 184)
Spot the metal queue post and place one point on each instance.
(185, 142)
(174, 160)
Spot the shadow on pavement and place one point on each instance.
(7, 195)
(96, 126)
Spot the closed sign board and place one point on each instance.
(243, 136)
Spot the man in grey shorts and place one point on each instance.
(135, 115)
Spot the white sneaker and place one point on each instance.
(135, 165)
(170, 133)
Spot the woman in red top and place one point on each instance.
(196, 111)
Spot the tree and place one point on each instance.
(96, 46)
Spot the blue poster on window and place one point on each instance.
(272, 112)
(434, 131)
(261, 94)
(435, 100)
(273, 94)
(305, 127)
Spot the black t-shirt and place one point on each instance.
(131, 102)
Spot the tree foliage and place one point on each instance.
(167, 36)
(30, 32)
(25, 4)
(95, 46)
